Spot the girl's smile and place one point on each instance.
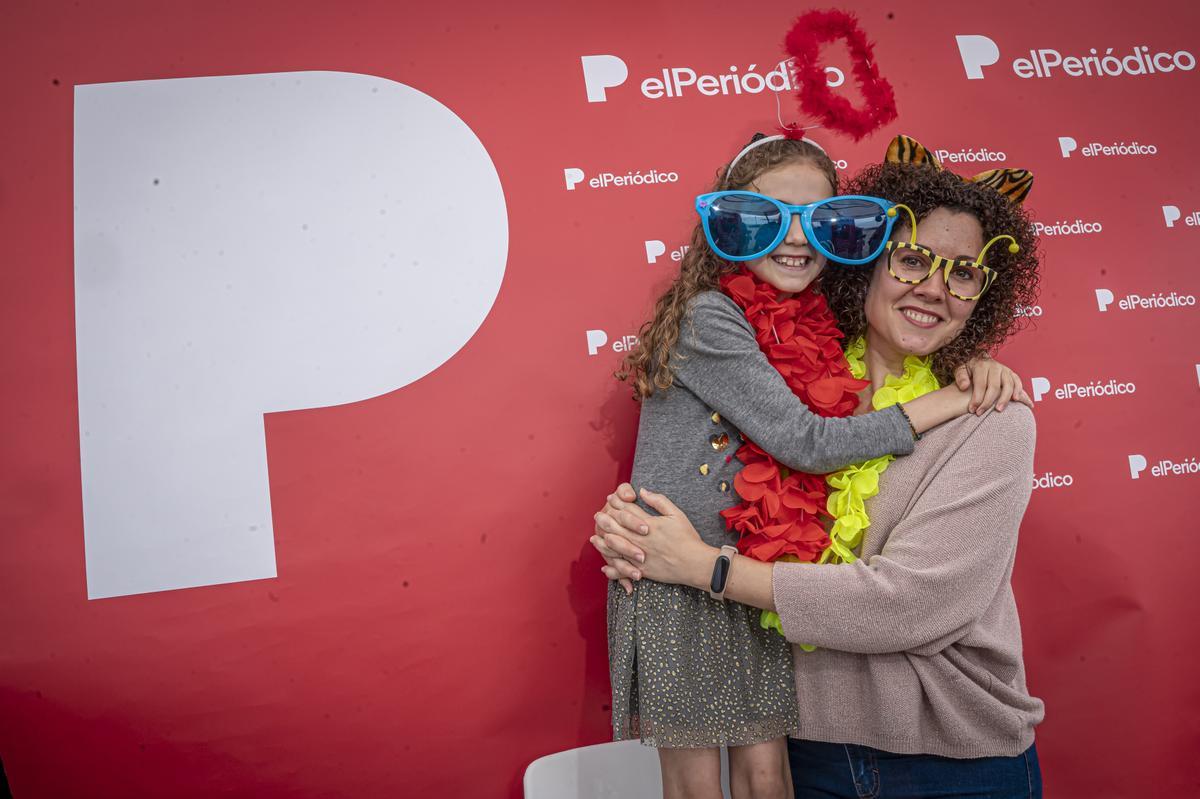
(793, 265)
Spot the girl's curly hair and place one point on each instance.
(647, 366)
(923, 188)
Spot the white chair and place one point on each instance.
(620, 770)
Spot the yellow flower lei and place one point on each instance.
(852, 486)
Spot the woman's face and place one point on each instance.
(793, 265)
(921, 319)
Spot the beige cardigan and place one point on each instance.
(919, 641)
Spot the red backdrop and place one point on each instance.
(438, 618)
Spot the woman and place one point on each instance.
(917, 686)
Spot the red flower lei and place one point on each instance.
(781, 510)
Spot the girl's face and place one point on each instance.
(793, 265)
(921, 319)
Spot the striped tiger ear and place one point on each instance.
(907, 150)
(1012, 183)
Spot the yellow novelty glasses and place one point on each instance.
(911, 263)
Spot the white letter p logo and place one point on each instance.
(1137, 464)
(1040, 386)
(247, 244)
(1067, 145)
(1104, 298)
(1170, 214)
(572, 176)
(977, 52)
(602, 72)
(595, 340)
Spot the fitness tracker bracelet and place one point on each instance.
(720, 575)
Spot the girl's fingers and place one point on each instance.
(626, 493)
(1018, 387)
(979, 381)
(990, 395)
(962, 378)
(1006, 392)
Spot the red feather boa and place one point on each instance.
(803, 43)
(781, 511)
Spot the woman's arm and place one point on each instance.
(668, 549)
(939, 570)
(942, 563)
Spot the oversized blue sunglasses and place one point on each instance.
(744, 225)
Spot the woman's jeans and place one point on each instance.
(848, 771)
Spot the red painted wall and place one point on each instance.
(438, 620)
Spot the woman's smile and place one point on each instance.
(920, 317)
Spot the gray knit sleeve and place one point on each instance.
(719, 361)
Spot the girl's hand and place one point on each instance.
(672, 549)
(991, 384)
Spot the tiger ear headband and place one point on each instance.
(1013, 184)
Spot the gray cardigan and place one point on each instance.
(719, 368)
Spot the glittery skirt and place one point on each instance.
(689, 671)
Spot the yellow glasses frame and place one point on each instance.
(939, 262)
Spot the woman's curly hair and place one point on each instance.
(647, 366)
(923, 188)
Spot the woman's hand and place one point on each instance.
(616, 568)
(666, 548)
(991, 384)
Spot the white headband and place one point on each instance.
(764, 140)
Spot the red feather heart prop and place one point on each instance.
(803, 44)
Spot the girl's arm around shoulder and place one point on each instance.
(718, 360)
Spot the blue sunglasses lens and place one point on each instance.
(743, 225)
(850, 229)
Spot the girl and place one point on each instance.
(690, 671)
